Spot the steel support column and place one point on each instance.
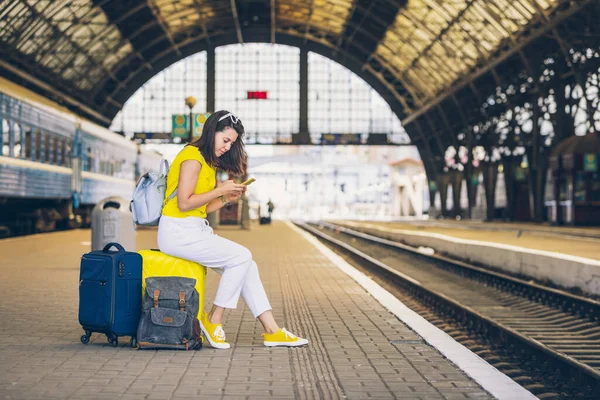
(456, 178)
(510, 164)
(490, 176)
(442, 185)
(303, 136)
(213, 218)
(210, 80)
(468, 171)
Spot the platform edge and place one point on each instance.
(488, 377)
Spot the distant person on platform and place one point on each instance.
(270, 208)
(184, 232)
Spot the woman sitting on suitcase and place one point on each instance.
(184, 232)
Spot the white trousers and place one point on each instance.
(193, 239)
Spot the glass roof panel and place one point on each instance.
(430, 34)
(327, 15)
(179, 16)
(430, 45)
(72, 38)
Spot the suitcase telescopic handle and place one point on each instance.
(117, 245)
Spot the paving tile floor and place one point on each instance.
(357, 349)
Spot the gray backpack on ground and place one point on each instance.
(149, 196)
(170, 317)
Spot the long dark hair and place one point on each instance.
(235, 160)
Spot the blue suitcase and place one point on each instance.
(110, 293)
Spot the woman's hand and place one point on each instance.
(233, 197)
(231, 190)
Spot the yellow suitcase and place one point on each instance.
(156, 263)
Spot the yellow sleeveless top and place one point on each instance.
(206, 183)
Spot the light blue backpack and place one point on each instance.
(149, 196)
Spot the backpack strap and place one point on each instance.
(156, 294)
(165, 164)
(164, 167)
(170, 197)
(181, 301)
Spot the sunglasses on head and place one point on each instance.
(233, 118)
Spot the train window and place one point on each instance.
(87, 164)
(27, 142)
(58, 150)
(47, 147)
(18, 150)
(38, 145)
(5, 137)
(67, 153)
(63, 151)
(51, 148)
(32, 144)
(93, 163)
(55, 150)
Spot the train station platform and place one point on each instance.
(579, 242)
(565, 257)
(363, 343)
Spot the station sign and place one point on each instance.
(152, 135)
(180, 126)
(199, 120)
(377, 138)
(520, 175)
(257, 95)
(340, 138)
(590, 162)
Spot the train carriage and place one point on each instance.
(55, 166)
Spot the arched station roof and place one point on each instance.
(94, 54)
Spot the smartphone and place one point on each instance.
(249, 181)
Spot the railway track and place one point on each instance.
(546, 339)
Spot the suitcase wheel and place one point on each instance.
(113, 340)
(85, 339)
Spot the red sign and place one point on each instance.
(256, 95)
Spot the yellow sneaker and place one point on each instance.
(283, 338)
(214, 333)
